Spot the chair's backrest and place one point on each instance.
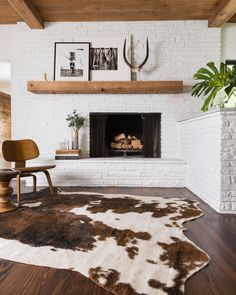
(19, 151)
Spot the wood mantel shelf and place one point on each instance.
(107, 87)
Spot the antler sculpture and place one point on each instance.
(136, 69)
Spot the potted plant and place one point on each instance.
(75, 122)
(213, 82)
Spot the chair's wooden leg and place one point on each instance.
(34, 183)
(49, 182)
(18, 188)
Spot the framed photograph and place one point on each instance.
(71, 61)
(106, 58)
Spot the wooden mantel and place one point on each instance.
(108, 87)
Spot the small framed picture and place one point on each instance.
(106, 58)
(71, 61)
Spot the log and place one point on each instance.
(129, 142)
(126, 146)
(116, 145)
(124, 141)
(119, 137)
(136, 144)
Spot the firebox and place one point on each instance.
(125, 134)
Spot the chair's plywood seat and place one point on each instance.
(20, 151)
(35, 168)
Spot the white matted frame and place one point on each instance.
(71, 61)
(106, 58)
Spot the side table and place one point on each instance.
(5, 190)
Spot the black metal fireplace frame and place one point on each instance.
(151, 133)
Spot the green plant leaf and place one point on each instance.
(212, 66)
(229, 89)
(208, 100)
(199, 76)
(196, 89)
(211, 81)
(223, 67)
(205, 72)
(75, 120)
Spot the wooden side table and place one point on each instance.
(5, 190)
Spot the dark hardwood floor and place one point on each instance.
(214, 233)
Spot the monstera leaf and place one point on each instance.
(212, 80)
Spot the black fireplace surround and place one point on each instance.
(144, 126)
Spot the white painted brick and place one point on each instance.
(177, 49)
(207, 144)
(233, 208)
(114, 172)
(172, 45)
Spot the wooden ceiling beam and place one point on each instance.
(28, 12)
(224, 11)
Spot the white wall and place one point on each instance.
(228, 42)
(8, 52)
(137, 172)
(200, 147)
(177, 50)
(5, 76)
(8, 48)
(207, 144)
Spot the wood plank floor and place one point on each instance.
(214, 233)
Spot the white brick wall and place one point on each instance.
(228, 162)
(208, 145)
(115, 172)
(177, 49)
(228, 45)
(200, 143)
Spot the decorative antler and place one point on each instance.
(138, 68)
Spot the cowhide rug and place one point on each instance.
(127, 244)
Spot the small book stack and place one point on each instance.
(68, 154)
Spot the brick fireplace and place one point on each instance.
(188, 38)
(172, 46)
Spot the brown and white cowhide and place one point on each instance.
(128, 244)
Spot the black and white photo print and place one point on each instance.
(71, 61)
(103, 59)
(106, 57)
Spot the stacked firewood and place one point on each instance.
(126, 142)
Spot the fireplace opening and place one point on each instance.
(125, 134)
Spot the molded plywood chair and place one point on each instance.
(19, 151)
